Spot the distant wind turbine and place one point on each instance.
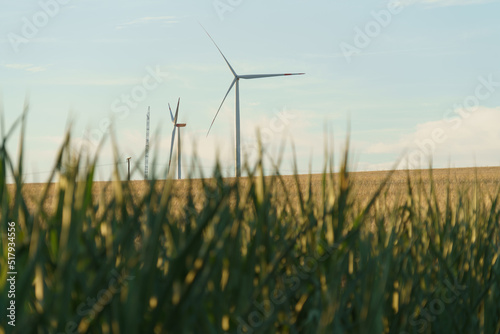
(176, 125)
(236, 82)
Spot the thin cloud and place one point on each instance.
(457, 139)
(26, 67)
(449, 3)
(18, 66)
(36, 69)
(149, 19)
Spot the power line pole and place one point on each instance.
(128, 163)
(146, 156)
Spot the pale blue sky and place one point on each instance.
(402, 92)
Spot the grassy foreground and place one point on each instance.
(254, 256)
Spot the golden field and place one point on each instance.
(365, 184)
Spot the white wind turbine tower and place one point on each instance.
(176, 125)
(146, 155)
(236, 82)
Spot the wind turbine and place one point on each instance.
(176, 125)
(236, 82)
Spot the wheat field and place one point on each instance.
(365, 185)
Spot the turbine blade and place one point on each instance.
(171, 147)
(171, 115)
(231, 87)
(177, 111)
(258, 76)
(227, 62)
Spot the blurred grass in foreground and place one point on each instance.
(254, 255)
